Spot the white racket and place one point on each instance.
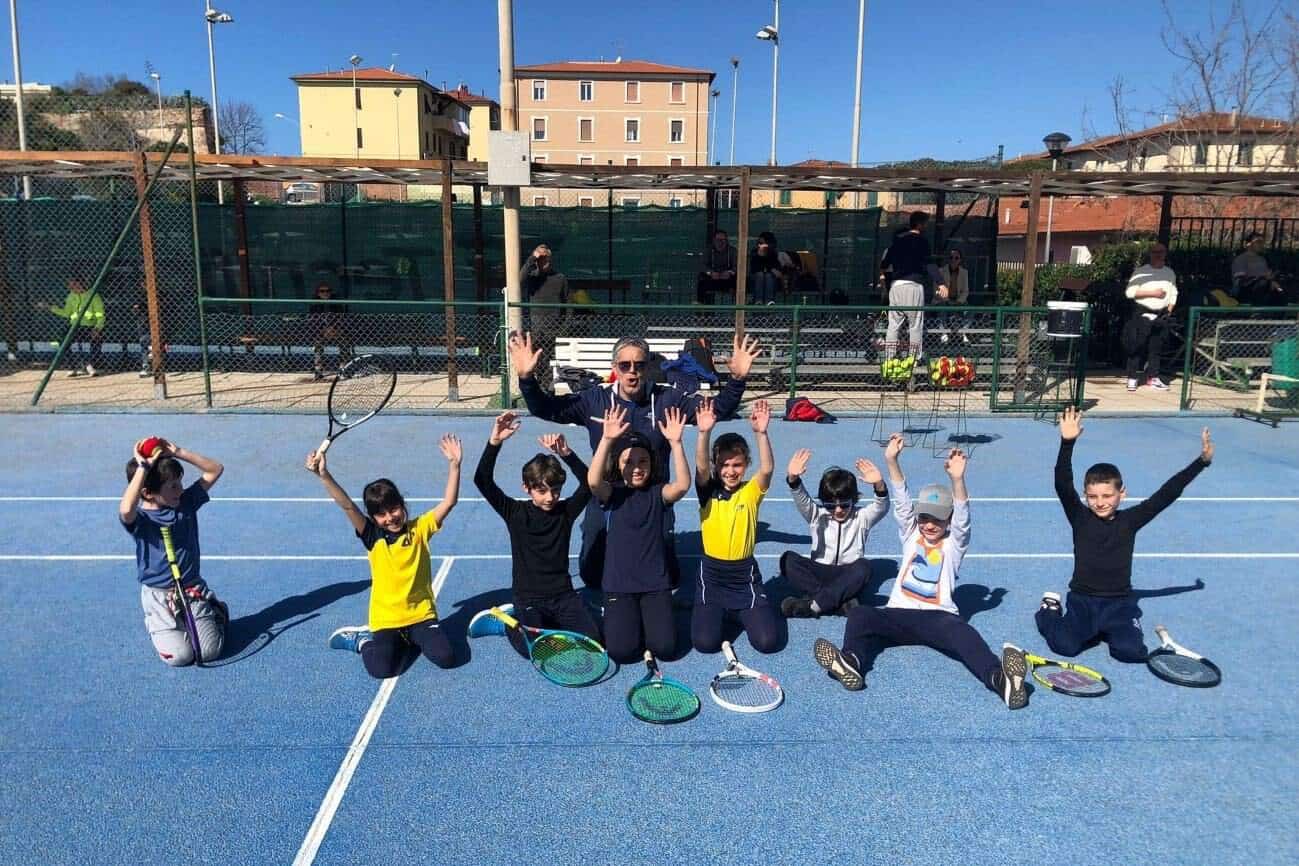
(741, 689)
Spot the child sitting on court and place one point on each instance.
(154, 498)
(729, 581)
(935, 533)
(637, 587)
(403, 620)
(539, 530)
(837, 570)
(1100, 605)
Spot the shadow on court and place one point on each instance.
(248, 635)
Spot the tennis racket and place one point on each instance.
(1176, 664)
(180, 594)
(1067, 678)
(661, 700)
(566, 658)
(741, 689)
(362, 387)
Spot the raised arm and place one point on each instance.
(317, 465)
(1070, 430)
(615, 425)
(743, 353)
(210, 468)
(960, 525)
(575, 504)
(759, 419)
(870, 473)
(449, 445)
(131, 495)
(706, 420)
(1166, 495)
(903, 512)
(503, 427)
(672, 428)
(807, 507)
(565, 409)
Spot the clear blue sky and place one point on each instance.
(943, 78)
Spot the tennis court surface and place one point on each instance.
(285, 751)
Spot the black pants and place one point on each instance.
(590, 564)
(1144, 343)
(828, 585)
(869, 630)
(1116, 621)
(391, 650)
(629, 615)
(707, 289)
(563, 611)
(74, 356)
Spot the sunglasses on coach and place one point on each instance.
(628, 366)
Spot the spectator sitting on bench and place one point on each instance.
(1252, 280)
(767, 266)
(542, 284)
(645, 405)
(718, 274)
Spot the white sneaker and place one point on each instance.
(90, 370)
(1132, 385)
(1157, 384)
(1051, 602)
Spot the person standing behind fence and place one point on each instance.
(1153, 287)
(764, 269)
(907, 261)
(718, 274)
(325, 322)
(91, 329)
(542, 284)
(1252, 280)
(956, 277)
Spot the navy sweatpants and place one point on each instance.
(1116, 621)
(828, 585)
(563, 611)
(391, 650)
(595, 534)
(871, 629)
(629, 615)
(733, 587)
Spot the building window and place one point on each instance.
(494, 123)
(675, 161)
(831, 197)
(1201, 153)
(538, 201)
(1141, 160)
(356, 91)
(786, 198)
(538, 129)
(541, 158)
(428, 104)
(426, 148)
(586, 129)
(585, 91)
(538, 91)
(585, 201)
(631, 160)
(633, 91)
(676, 131)
(498, 197)
(360, 142)
(630, 202)
(674, 202)
(585, 159)
(633, 129)
(1245, 153)
(677, 91)
(728, 199)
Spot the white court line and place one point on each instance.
(117, 557)
(334, 796)
(317, 499)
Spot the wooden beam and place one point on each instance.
(241, 243)
(449, 282)
(156, 345)
(1029, 285)
(1165, 218)
(742, 252)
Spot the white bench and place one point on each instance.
(596, 355)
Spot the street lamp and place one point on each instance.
(18, 103)
(355, 60)
(396, 101)
(735, 93)
(856, 96)
(1055, 143)
(157, 81)
(214, 17)
(712, 136)
(771, 33)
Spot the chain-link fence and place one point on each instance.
(1245, 359)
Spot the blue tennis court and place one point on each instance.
(287, 752)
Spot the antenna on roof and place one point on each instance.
(392, 67)
(618, 59)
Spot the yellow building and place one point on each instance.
(484, 117)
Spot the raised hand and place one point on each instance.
(760, 416)
(615, 422)
(316, 464)
(955, 464)
(449, 445)
(1071, 423)
(868, 471)
(798, 463)
(503, 427)
(705, 417)
(1206, 446)
(743, 353)
(523, 357)
(895, 446)
(556, 443)
(674, 424)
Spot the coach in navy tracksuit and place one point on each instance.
(645, 405)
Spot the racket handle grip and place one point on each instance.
(729, 652)
(324, 446)
(1161, 633)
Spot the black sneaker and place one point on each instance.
(800, 608)
(1014, 668)
(848, 605)
(837, 665)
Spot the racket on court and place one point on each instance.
(190, 627)
(566, 658)
(362, 387)
(1176, 664)
(741, 689)
(661, 700)
(1067, 678)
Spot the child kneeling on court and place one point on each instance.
(153, 499)
(935, 533)
(729, 581)
(1100, 603)
(837, 570)
(637, 587)
(540, 529)
(403, 621)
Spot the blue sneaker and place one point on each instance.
(484, 624)
(349, 638)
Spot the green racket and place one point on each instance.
(566, 658)
(661, 700)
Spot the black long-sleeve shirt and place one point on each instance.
(538, 539)
(1102, 548)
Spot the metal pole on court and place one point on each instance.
(211, 70)
(198, 265)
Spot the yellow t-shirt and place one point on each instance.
(401, 576)
(729, 522)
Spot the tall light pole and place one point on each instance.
(355, 60)
(735, 94)
(157, 81)
(771, 33)
(1055, 143)
(856, 96)
(214, 17)
(396, 102)
(18, 94)
(279, 115)
(510, 209)
(712, 136)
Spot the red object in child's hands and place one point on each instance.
(150, 448)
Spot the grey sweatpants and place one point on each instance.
(905, 293)
(166, 624)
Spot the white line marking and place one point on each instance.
(116, 557)
(321, 499)
(334, 796)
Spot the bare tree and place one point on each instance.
(242, 130)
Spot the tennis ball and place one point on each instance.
(150, 448)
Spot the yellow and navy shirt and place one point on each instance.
(401, 576)
(728, 522)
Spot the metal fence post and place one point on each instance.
(793, 351)
(996, 361)
(1189, 351)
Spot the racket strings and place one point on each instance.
(563, 659)
(1182, 668)
(359, 391)
(745, 691)
(1069, 680)
(663, 702)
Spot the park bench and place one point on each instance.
(594, 354)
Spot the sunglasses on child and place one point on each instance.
(836, 504)
(628, 366)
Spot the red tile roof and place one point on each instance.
(612, 68)
(375, 73)
(462, 94)
(1210, 121)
